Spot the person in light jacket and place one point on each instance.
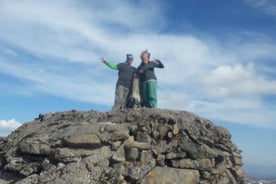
(125, 75)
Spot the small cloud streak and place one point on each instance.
(267, 6)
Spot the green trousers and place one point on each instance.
(149, 94)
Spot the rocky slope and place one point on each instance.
(145, 146)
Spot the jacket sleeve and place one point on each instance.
(159, 64)
(111, 65)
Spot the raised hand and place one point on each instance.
(156, 60)
(102, 59)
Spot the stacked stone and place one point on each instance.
(134, 146)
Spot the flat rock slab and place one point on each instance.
(161, 175)
(78, 140)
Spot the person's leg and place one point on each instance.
(145, 94)
(119, 97)
(152, 94)
(125, 91)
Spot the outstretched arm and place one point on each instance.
(158, 63)
(109, 64)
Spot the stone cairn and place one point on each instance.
(147, 146)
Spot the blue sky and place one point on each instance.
(219, 60)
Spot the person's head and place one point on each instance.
(129, 58)
(145, 56)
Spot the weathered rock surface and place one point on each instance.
(148, 146)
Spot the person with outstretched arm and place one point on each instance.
(125, 75)
(148, 79)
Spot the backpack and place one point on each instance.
(132, 103)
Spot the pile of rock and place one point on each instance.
(133, 146)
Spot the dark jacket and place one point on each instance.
(147, 70)
(125, 74)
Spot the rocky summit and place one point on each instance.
(147, 146)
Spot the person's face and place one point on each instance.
(145, 58)
(129, 61)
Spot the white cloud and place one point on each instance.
(6, 126)
(71, 31)
(227, 81)
(64, 40)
